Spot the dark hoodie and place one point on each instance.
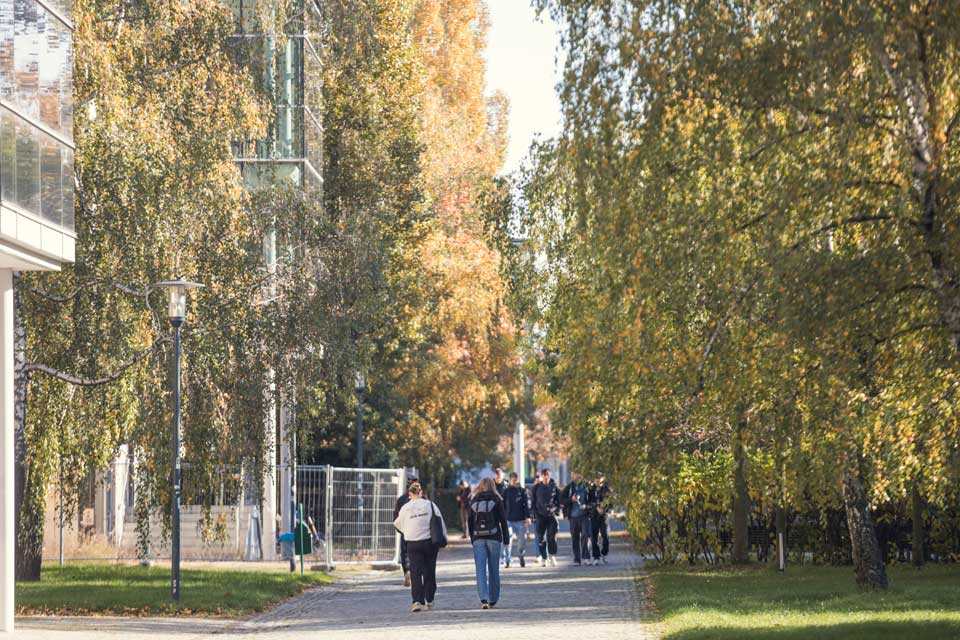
(480, 504)
(515, 503)
(546, 499)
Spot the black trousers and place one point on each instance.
(423, 570)
(547, 528)
(580, 534)
(601, 535)
(404, 560)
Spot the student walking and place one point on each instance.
(518, 518)
(577, 505)
(602, 493)
(546, 505)
(402, 500)
(488, 533)
(500, 486)
(413, 523)
(533, 515)
(463, 499)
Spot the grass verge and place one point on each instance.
(88, 589)
(822, 603)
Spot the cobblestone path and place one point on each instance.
(601, 602)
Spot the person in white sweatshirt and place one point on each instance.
(413, 522)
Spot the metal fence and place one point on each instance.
(352, 509)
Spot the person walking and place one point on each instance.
(401, 501)
(518, 518)
(463, 499)
(413, 523)
(546, 505)
(577, 505)
(533, 515)
(602, 493)
(500, 485)
(488, 533)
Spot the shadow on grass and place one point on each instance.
(822, 603)
(128, 590)
(914, 630)
(805, 589)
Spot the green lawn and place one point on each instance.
(80, 589)
(822, 603)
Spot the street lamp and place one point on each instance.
(177, 312)
(361, 387)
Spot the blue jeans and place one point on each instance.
(518, 534)
(486, 558)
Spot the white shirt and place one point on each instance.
(414, 520)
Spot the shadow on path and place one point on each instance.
(534, 598)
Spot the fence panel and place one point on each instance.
(311, 490)
(360, 515)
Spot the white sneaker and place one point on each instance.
(552, 560)
(415, 607)
(604, 559)
(596, 561)
(428, 606)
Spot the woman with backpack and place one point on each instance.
(414, 523)
(488, 532)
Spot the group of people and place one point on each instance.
(496, 515)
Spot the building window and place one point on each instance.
(36, 118)
(28, 167)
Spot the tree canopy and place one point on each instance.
(749, 275)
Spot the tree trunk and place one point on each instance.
(916, 507)
(741, 501)
(28, 509)
(867, 559)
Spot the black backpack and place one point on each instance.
(485, 522)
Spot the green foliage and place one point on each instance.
(750, 219)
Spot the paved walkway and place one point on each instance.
(535, 602)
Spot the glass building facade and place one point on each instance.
(36, 120)
(289, 70)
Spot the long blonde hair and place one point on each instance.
(486, 486)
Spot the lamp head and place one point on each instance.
(177, 296)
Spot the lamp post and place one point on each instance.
(177, 312)
(361, 387)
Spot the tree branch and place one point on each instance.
(839, 223)
(907, 331)
(86, 285)
(94, 382)
(716, 333)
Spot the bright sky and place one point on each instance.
(520, 62)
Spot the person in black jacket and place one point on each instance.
(404, 559)
(601, 535)
(518, 518)
(463, 499)
(488, 533)
(500, 485)
(578, 501)
(546, 505)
